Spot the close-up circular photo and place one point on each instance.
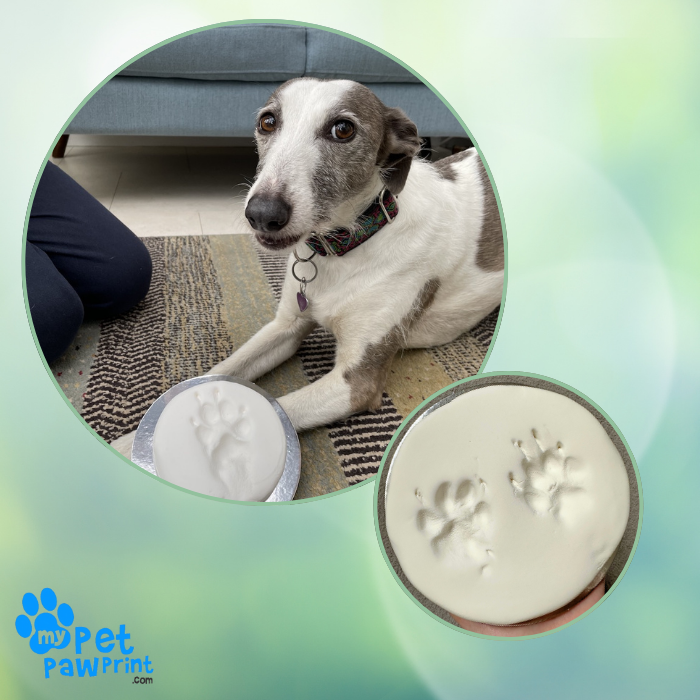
(289, 217)
(508, 505)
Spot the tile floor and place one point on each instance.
(178, 189)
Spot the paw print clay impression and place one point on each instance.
(223, 439)
(225, 432)
(549, 479)
(458, 524)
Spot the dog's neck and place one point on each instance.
(382, 211)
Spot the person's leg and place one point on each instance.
(106, 264)
(56, 309)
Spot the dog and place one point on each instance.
(386, 250)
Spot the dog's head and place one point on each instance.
(326, 148)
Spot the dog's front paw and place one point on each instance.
(124, 444)
(289, 406)
(221, 368)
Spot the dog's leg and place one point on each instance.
(346, 389)
(357, 381)
(269, 347)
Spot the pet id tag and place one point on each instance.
(302, 299)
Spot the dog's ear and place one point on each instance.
(398, 147)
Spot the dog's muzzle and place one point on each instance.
(267, 214)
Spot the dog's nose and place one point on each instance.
(267, 213)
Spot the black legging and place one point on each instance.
(81, 262)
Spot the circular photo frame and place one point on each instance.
(600, 587)
(187, 303)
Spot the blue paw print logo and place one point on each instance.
(48, 634)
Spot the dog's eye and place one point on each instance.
(267, 123)
(342, 130)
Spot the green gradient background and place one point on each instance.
(588, 116)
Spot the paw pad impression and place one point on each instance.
(224, 431)
(459, 523)
(549, 477)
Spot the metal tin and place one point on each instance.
(142, 449)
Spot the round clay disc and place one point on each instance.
(506, 503)
(221, 439)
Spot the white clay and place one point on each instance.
(221, 439)
(506, 503)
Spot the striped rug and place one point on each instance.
(208, 296)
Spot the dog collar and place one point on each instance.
(383, 210)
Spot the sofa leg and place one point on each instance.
(462, 145)
(60, 148)
(426, 149)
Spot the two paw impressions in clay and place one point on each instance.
(459, 523)
(225, 431)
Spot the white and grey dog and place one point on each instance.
(327, 149)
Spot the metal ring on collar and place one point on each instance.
(296, 255)
(389, 220)
(304, 260)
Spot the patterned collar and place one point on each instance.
(383, 210)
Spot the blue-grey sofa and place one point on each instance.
(212, 82)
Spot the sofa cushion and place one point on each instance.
(331, 55)
(274, 52)
(251, 52)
